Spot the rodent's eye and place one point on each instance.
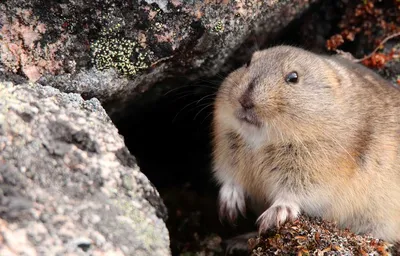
(292, 77)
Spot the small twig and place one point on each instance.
(377, 48)
(160, 60)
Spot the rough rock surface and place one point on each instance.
(65, 44)
(68, 184)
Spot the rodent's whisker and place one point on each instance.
(175, 89)
(207, 116)
(195, 102)
(191, 86)
(207, 96)
(229, 79)
(180, 111)
(208, 105)
(211, 81)
(184, 94)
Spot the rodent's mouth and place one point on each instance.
(248, 117)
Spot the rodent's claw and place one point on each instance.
(227, 213)
(231, 202)
(276, 216)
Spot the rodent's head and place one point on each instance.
(282, 92)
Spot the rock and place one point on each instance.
(139, 42)
(68, 184)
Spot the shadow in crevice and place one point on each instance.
(171, 139)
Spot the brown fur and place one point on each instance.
(330, 142)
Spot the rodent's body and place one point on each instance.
(327, 145)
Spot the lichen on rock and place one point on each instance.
(21, 51)
(113, 50)
(142, 41)
(68, 184)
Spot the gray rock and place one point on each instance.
(65, 44)
(68, 184)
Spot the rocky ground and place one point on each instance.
(68, 184)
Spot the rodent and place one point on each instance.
(300, 132)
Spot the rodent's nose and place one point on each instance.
(246, 102)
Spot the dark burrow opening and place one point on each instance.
(171, 137)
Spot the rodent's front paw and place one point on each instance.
(231, 202)
(277, 215)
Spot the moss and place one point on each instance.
(125, 55)
(219, 27)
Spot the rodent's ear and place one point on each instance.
(256, 55)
